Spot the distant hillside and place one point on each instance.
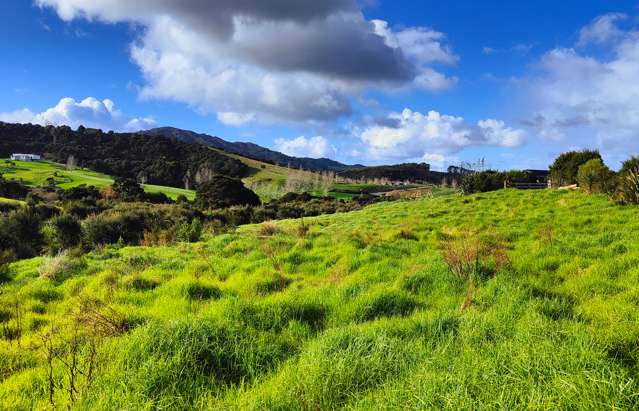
(412, 172)
(164, 162)
(249, 150)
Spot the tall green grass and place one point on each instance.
(358, 311)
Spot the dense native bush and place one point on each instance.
(594, 177)
(482, 182)
(223, 192)
(13, 189)
(290, 206)
(62, 233)
(81, 192)
(127, 189)
(565, 168)
(20, 231)
(8, 207)
(491, 180)
(128, 223)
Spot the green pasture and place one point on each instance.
(35, 174)
(354, 311)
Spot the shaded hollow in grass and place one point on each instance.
(200, 291)
(385, 303)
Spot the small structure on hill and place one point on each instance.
(25, 157)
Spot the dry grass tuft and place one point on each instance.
(268, 229)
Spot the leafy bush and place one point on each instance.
(222, 192)
(13, 189)
(62, 233)
(130, 222)
(482, 182)
(491, 180)
(189, 232)
(20, 231)
(127, 189)
(565, 168)
(594, 177)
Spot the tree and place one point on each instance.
(222, 192)
(72, 163)
(564, 169)
(128, 189)
(594, 176)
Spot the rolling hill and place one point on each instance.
(35, 174)
(250, 150)
(374, 309)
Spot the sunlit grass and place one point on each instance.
(358, 311)
(35, 174)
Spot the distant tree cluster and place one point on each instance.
(585, 169)
(411, 172)
(138, 156)
(565, 168)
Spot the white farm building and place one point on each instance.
(25, 157)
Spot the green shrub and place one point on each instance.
(222, 192)
(565, 168)
(594, 177)
(189, 232)
(62, 233)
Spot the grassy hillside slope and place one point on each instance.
(349, 311)
(35, 174)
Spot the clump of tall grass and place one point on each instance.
(473, 257)
(268, 229)
(139, 283)
(173, 361)
(386, 303)
(199, 291)
(60, 267)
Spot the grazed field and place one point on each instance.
(35, 174)
(365, 310)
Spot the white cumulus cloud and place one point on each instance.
(291, 60)
(314, 147)
(89, 112)
(411, 135)
(602, 29)
(579, 97)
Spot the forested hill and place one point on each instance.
(147, 158)
(250, 150)
(413, 172)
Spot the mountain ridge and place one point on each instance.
(250, 150)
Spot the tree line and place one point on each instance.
(138, 156)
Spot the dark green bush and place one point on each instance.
(62, 233)
(594, 177)
(565, 168)
(20, 232)
(223, 192)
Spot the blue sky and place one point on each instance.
(370, 82)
